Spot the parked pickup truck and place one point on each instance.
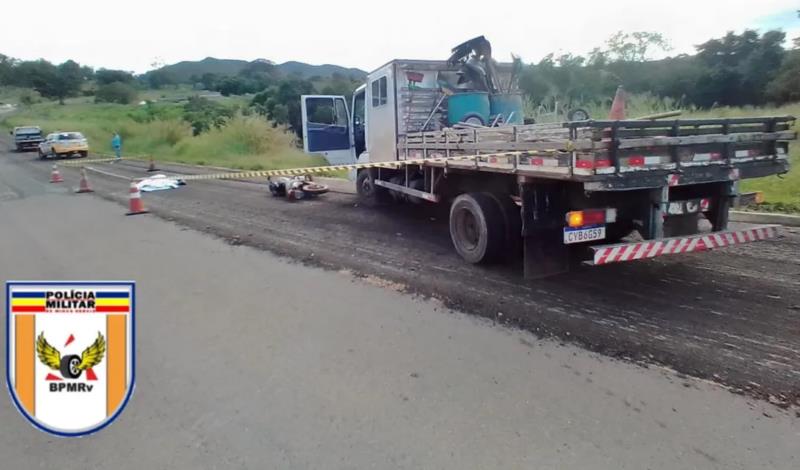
(551, 193)
(27, 137)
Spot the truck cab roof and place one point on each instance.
(27, 130)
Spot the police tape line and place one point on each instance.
(95, 160)
(324, 169)
(319, 169)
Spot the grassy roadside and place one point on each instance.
(251, 143)
(244, 143)
(781, 193)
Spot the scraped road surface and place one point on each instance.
(731, 316)
(246, 360)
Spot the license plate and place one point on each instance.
(584, 234)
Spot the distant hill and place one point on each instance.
(324, 70)
(182, 71)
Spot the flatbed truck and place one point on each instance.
(594, 192)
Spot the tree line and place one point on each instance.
(734, 70)
(748, 68)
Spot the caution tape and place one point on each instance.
(95, 160)
(324, 169)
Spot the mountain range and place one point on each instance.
(183, 71)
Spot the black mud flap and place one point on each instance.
(543, 209)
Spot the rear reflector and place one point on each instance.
(637, 160)
(621, 252)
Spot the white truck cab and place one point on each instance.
(400, 97)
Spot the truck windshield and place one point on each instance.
(28, 130)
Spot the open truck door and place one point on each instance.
(327, 129)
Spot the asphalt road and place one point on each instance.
(248, 360)
(731, 316)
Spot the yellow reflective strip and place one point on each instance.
(108, 302)
(28, 302)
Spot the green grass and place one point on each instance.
(252, 143)
(248, 143)
(781, 193)
(14, 95)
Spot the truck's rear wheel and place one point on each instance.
(477, 228)
(368, 191)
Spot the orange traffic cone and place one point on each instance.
(152, 166)
(135, 202)
(618, 105)
(84, 185)
(55, 176)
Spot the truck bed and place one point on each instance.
(616, 155)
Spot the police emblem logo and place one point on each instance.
(69, 353)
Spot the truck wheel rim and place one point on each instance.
(467, 228)
(366, 186)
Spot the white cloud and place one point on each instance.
(355, 33)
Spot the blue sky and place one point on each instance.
(364, 33)
(786, 19)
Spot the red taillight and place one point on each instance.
(594, 217)
(587, 217)
(637, 160)
(586, 164)
(602, 163)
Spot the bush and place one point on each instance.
(29, 97)
(107, 77)
(116, 92)
(203, 114)
(785, 88)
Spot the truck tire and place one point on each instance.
(69, 366)
(477, 228)
(578, 114)
(368, 191)
(474, 118)
(512, 219)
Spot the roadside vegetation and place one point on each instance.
(247, 114)
(228, 137)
